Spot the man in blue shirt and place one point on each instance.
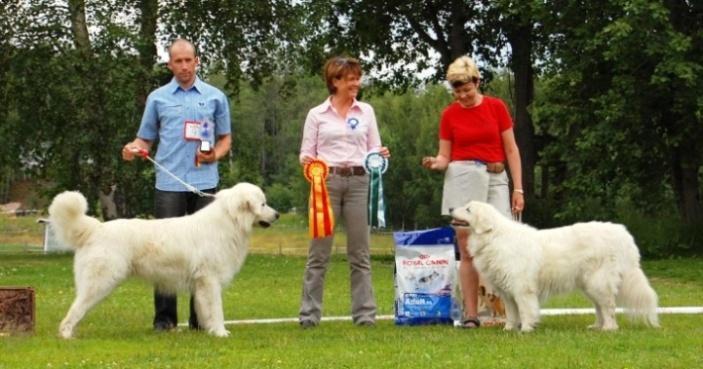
(190, 119)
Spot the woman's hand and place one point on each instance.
(441, 161)
(307, 159)
(518, 202)
(429, 162)
(438, 162)
(384, 152)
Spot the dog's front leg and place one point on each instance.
(599, 318)
(512, 317)
(528, 305)
(208, 304)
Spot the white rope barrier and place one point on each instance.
(661, 310)
(544, 312)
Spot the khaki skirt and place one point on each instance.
(468, 180)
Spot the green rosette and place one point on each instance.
(375, 165)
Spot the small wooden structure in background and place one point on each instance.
(51, 242)
(17, 309)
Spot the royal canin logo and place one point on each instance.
(425, 261)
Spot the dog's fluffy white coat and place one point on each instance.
(526, 265)
(200, 252)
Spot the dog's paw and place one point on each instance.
(527, 328)
(220, 333)
(594, 327)
(65, 333)
(509, 326)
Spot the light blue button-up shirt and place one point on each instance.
(167, 110)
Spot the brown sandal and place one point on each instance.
(471, 323)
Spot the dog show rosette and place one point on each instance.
(375, 165)
(320, 213)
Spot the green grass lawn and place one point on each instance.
(117, 333)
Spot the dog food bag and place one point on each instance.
(425, 276)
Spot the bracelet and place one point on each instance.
(519, 191)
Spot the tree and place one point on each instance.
(243, 39)
(621, 103)
(8, 51)
(518, 21)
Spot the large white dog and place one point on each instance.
(200, 253)
(526, 265)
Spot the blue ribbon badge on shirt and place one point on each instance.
(207, 131)
(375, 165)
(352, 122)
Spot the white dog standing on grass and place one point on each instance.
(526, 265)
(200, 252)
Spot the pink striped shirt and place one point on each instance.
(338, 141)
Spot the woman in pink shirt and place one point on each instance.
(340, 132)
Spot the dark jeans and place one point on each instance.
(169, 204)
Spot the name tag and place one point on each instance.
(192, 130)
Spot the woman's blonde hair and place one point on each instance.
(463, 70)
(337, 67)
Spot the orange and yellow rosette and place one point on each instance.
(320, 211)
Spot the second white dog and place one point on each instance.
(526, 265)
(200, 253)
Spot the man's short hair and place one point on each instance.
(182, 41)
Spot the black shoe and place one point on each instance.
(164, 326)
(306, 324)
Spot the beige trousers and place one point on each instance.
(349, 200)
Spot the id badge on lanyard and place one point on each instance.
(191, 130)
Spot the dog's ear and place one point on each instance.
(254, 204)
(230, 200)
(481, 220)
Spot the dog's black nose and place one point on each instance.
(451, 210)
(278, 215)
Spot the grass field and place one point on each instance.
(117, 334)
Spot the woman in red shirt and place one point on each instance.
(475, 140)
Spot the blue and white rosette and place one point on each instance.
(375, 165)
(207, 132)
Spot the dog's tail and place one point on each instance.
(639, 297)
(67, 214)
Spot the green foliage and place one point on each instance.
(663, 235)
(253, 39)
(280, 197)
(618, 112)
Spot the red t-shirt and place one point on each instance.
(475, 132)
